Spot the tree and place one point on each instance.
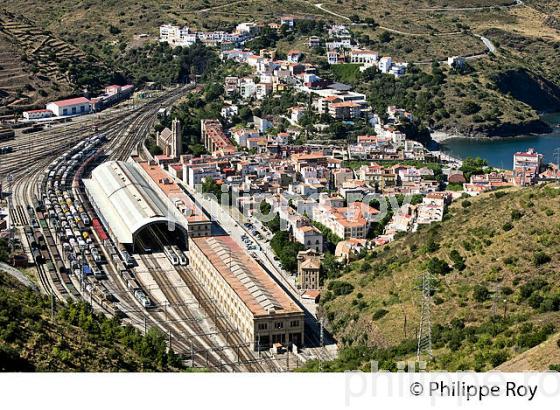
(340, 288)
(470, 107)
(209, 186)
(286, 250)
(481, 293)
(385, 37)
(540, 258)
(438, 266)
(473, 166)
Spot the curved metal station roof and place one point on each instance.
(128, 200)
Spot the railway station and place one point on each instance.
(136, 215)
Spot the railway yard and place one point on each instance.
(76, 258)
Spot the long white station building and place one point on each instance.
(132, 207)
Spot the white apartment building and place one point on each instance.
(358, 56)
(197, 174)
(177, 36)
(310, 237)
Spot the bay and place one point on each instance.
(499, 151)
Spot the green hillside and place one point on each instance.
(74, 340)
(495, 265)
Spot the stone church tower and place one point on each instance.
(176, 143)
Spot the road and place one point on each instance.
(234, 227)
(482, 8)
(489, 45)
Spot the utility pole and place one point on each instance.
(425, 331)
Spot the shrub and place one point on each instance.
(466, 203)
(481, 293)
(457, 259)
(437, 266)
(340, 288)
(470, 107)
(508, 226)
(516, 214)
(535, 300)
(379, 313)
(540, 258)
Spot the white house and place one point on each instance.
(332, 57)
(247, 88)
(37, 114)
(73, 106)
(229, 111)
(358, 56)
(385, 64)
(297, 113)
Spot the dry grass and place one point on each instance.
(480, 226)
(538, 359)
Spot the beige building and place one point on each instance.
(170, 140)
(254, 303)
(309, 268)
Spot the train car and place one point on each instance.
(114, 310)
(130, 280)
(98, 273)
(60, 267)
(37, 256)
(142, 298)
(180, 254)
(171, 255)
(104, 272)
(127, 258)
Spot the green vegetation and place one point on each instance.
(211, 187)
(346, 73)
(492, 297)
(4, 255)
(74, 340)
(286, 250)
(331, 238)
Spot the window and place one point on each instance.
(279, 325)
(263, 326)
(294, 323)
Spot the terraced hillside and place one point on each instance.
(494, 265)
(35, 66)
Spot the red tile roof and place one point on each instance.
(72, 101)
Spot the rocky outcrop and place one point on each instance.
(532, 89)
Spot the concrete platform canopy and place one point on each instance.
(132, 208)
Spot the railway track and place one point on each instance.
(188, 320)
(262, 363)
(123, 134)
